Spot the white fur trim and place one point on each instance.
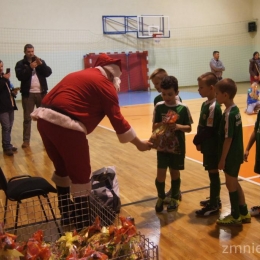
(128, 136)
(61, 181)
(57, 119)
(81, 190)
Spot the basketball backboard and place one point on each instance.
(145, 26)
(148, 25)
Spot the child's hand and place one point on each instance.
(246, 156)
(221, 164)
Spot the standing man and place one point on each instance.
(216, 65)
(32, 72)
(70, 111)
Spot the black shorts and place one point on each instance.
(210, 161)
(173, 161)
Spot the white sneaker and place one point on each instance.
(255, 211)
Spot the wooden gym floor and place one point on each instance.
(179, 235)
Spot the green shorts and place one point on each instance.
(210, 161)
(232, 169)
(173, 161)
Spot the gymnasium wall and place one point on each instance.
(64, 31)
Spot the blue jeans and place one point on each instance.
(7, 120)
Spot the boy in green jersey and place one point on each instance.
(255, 137)
(157, 77)
(206, 141)
(175, 162)
(231, 153)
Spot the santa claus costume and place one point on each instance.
(70, 111)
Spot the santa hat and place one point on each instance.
(112, 65)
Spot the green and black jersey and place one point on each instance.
(209, 121)
(159, 99)
(231, 127)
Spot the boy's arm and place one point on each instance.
(249, 145)
(156, 125)
(225, 150)
(183, 128)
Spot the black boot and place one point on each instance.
(82, 212)
(66, 206)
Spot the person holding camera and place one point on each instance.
(7, 107)
(32, 72)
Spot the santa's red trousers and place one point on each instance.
(68, 149)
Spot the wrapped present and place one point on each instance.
(164, 138)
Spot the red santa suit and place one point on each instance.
(73, 109)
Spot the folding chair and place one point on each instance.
(25, 187)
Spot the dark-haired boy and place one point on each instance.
(231, 153)
(175, 161)
(206, 141)
(157, 77)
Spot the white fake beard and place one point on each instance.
(116, 83)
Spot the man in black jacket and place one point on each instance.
(32, 72)
(7, 107)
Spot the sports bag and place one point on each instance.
(105, 187)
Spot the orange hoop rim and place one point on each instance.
(157, 35)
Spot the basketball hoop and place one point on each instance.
(157, 37)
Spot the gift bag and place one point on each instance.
(164, 138)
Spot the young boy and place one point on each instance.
(231, 153)
(175, 162)
(252, 99)
(157, 77)
(255, 137)
(206, 141)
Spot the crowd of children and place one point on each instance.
(223, 131)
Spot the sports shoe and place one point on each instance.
(159, 205)
(14, 149)
(230, 221)
(167, 199)
(254, 211)
(203, 203)
(173, 205)
(246, 218)
(25, 144)
(8, 152)
(207, 211)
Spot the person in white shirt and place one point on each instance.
(32, 72)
